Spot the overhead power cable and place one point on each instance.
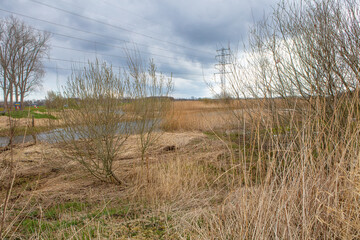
(70, 3)
(118, 27)
(72, 61)
(117, 67)
(100, 54)
(97, 53)
(97, 43)
(107, 45)
(86, 51)
(93, 33)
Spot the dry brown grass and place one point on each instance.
(198, 115)
(305, 184)
(293, 181)
(271, 181)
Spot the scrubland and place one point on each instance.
(220, 170)
(278, 157)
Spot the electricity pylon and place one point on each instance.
(223, 58)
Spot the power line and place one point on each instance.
(115, 6)
(97, 53)
(75, 61)
(85, 51)
(63, 60)
(72, 61)
(89, 32)
(95, 42)
(105, 44)
(118, 27)
(138, 16)
(85, 63)
(118, 67)
(73, 49)
(81, 70)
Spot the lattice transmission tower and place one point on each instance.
(223, 57)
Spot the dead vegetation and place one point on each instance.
(264, 181)
(273, 167)
(199, 115)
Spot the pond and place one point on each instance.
(45, 137)
(128, 127)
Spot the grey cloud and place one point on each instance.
(199, 25)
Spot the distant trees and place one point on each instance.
(21, 51)
(54, 100)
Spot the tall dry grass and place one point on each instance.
(289, 175)
(284, 174)
(294, 181)
(199, 115)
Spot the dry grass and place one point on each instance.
(198, 115)
(214, 115)
(305, 184)
(273, 179)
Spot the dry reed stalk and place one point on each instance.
(200, 115)
(9, 175)
(308, 187)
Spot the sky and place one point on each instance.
(180, 36)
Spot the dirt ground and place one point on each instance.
(46, 182)
(22, 122)
(43, 170)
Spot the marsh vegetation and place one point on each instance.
(279, 160)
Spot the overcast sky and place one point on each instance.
(181, 36)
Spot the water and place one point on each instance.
(42, 137)
(129, 127)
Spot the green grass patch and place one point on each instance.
(31, 226)
(28, 112)
(118, 221)
(42, 109)
(67, 207)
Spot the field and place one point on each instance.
(220, 170)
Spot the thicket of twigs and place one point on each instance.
(289, 166)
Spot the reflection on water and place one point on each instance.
(42, 137)
(129, 127)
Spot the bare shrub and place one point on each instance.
(96, 126)
(54, 100)
(150, 103)
(105, 108)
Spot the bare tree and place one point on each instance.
(21, 51)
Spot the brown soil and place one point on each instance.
(45, 174)
(22, 122)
